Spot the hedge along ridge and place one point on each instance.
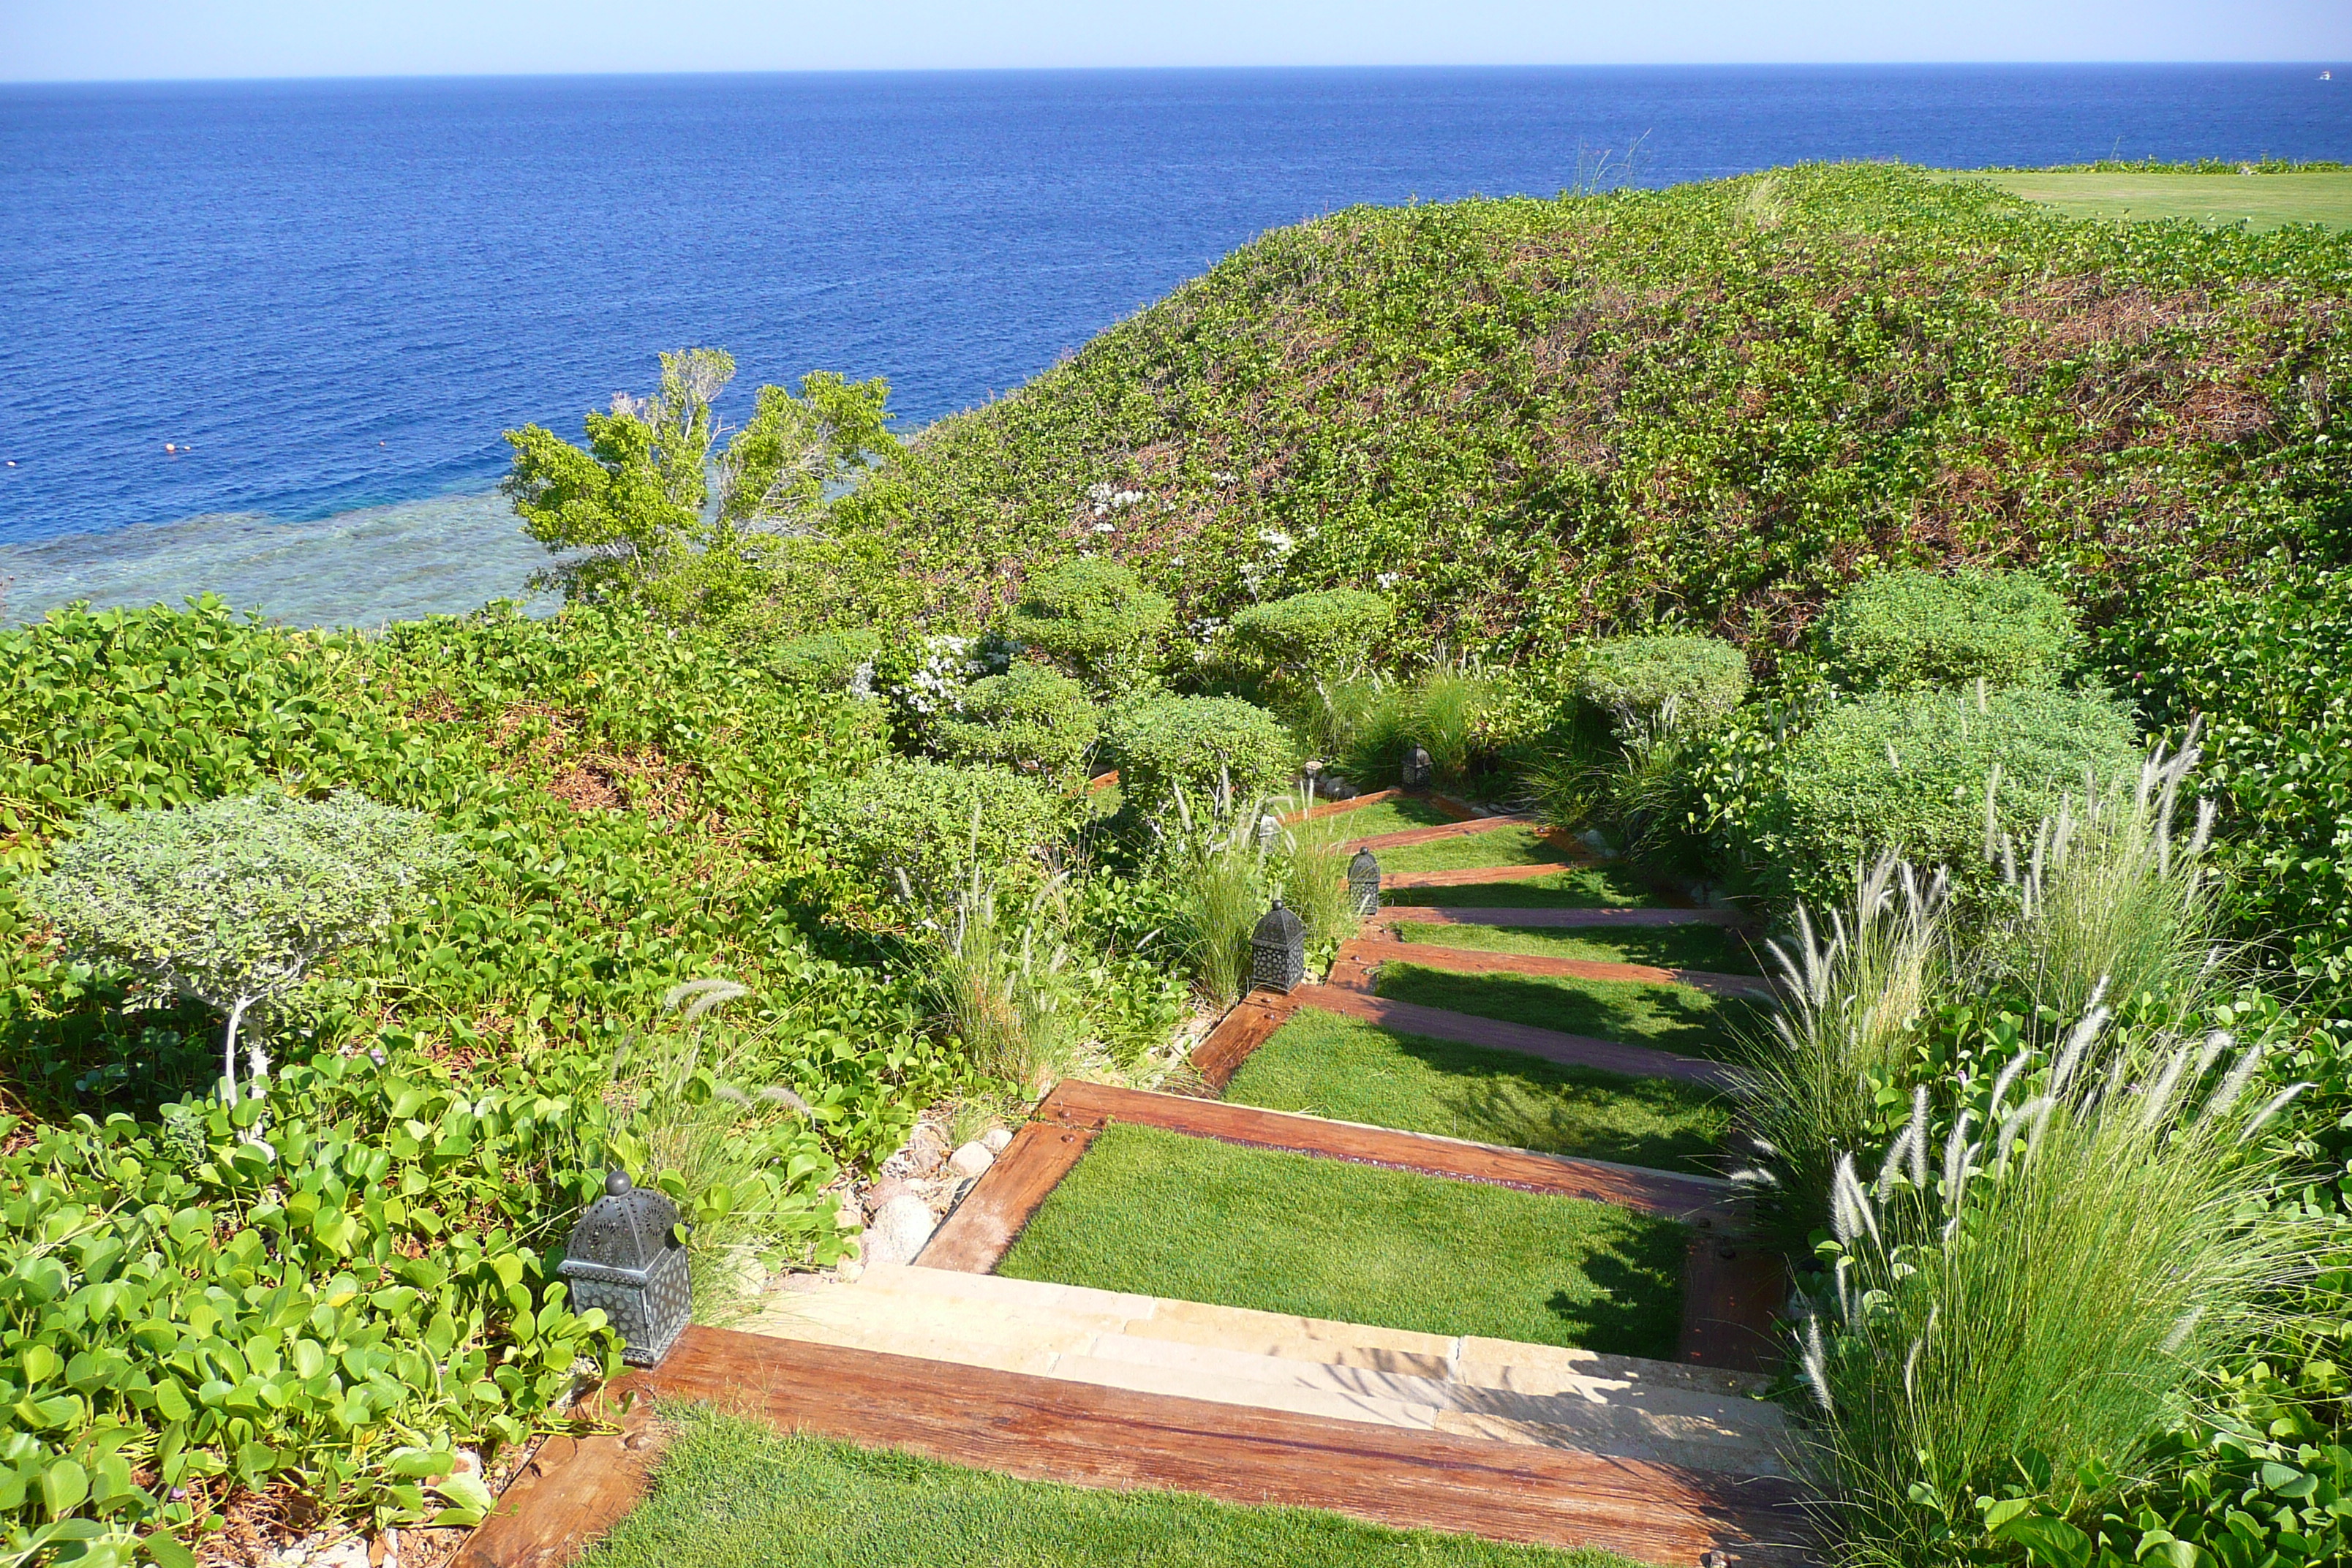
(1166, 744)
(1634, 679)
(1028, 718)
(1094, 618)
(915, 816)
(1908, 771)
(1333, 632)
(1909, 630)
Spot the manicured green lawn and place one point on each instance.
(2262, 201)
(1571, 888)
(1387, 816)
(1668, 947)
(1354, 1071)
(1669, 1017)
(731, 1493)
(1498, 847)
(1164, 1215)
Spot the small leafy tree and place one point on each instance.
(234, 901)
(638, 509)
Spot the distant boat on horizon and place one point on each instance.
(2327, 76)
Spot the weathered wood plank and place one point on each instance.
(990, 1216)
(1571, 1050)
(1477, 960)
(566, 1494)
(1248, 1026)
(1041, 1428)
(1092, 1106)
(1445, 915)
(1732, 1293)
(1338, 807)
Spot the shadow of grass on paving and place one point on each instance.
(1714, 948)
(1495, 847)
(1666, 1017)
(1571, 888)
(730, 1492)
(1164, 1215)
(1354, 1071)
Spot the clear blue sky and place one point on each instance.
(103, 39)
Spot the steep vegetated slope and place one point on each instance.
(1710, 403)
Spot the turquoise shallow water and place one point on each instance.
(332, 297)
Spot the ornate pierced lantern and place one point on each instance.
(624, 1256)
(1418, 769)
(1364, 883)
(1278, 950)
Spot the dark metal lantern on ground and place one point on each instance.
(1418, 769)
(1364, 883)
(1278, 950)
(624, 1256)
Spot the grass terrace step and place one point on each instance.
(1517, 845)
(1351, 1070)
(1164, 1215)
(1705, 947)
(1677, 1018)
(1569, 887)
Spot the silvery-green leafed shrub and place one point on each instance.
(1911, 773)
(1093, 618)
(1908, 630)
(1330, 633)
(234, 901)
(1640, 681)
(1198, 744)
(1028, 718)
(931, 823)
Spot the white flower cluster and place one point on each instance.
(1279, 549)
(1388, 580)
(936, 684)
(1107, 501)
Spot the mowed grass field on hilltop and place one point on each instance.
(2259, 201)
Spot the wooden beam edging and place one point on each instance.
(570, 1491)
(1693, 1200)
(980, 1228)
(1042, 1429)
(1248, 1025)
(1603, 918)
(1732, 1293)
(1568, 1050)
(1363, 954)
(1337, 807)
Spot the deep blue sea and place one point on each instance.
(335, 294)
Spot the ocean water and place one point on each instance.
(330, 297)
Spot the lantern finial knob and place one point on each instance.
(616, 1181)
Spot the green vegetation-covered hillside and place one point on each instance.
(1710, 402)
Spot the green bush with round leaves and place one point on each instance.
(1197, 743)
(1029, 719)
(1333, 632)
(1093, 618)
(1910, 630)
(932, 823)
(1634, 680)
(1910, 772)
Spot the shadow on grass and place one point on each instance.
(1665, 1018)
(1579, 887)
(1638, 1299)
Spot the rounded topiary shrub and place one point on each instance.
(1908, 771)
(1165, 743)
(914, 815)
(1327, 633)
(1029, 717)
(829, 659)
(1635, 678)
(1093, 618)
(1910, 630)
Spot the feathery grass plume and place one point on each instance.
(1212, 862)
(2113, 892)
(1314, 874)
(1842, 1033)
(997, 984)
(2059, 1292)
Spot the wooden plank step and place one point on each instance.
(1340, 807)
(1090, 1107)
(1240, 1032)
(1478, 961)
(1571, 1051)
(977, 1232)
(1043, 1428)
(1617, 916)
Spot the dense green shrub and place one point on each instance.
(1903, 631)
(1443, 710)
(916, 817)
(1093, 618)
(1165, 743)
(828, 660)
(1331, 633)
(1029, 717)
(1634, 680)
(1909, 771)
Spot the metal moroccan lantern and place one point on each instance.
(1278, 950)
(624, 1256)
(1364, 883)
(1418, 769)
